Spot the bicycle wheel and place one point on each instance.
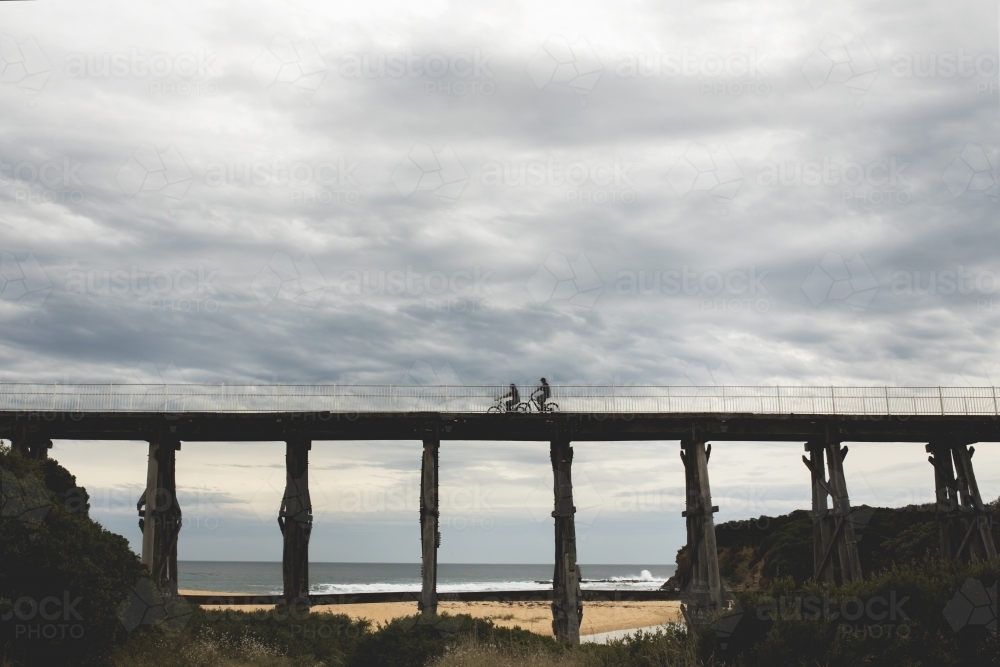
(523, 407)
(551, 407)
(493, 409)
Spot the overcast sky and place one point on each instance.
(627, 193)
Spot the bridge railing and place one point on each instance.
(901, 401)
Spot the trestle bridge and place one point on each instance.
(947, 420)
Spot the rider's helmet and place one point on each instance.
(543, 381)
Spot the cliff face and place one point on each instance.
(754, 552)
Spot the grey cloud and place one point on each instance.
(292, 162)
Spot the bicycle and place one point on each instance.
(501, 406)
(533, 405)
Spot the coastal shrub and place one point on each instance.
(755, 552)
(416, 641)
(672, 647)
(62, 575)
(188, 650)
(472, 652)
(290, 632)
(284, 636)
(894, 618)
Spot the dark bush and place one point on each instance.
(415, 641)
(900, 621)
(62, 576)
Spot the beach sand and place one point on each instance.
(534, 616)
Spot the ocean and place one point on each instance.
(256, 578)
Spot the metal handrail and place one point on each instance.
(627, 399)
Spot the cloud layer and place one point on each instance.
(669, 193)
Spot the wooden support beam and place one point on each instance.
(710, 547)
(966, 533)
(32, 448)
(822, 530)
(847, 543)
(430, 538)
(567, 602)
(833, 528)
(981, 518)
(702, 583)
(946, 494)
(295, 520)
(160, 515)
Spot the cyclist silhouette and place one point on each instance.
(544, 392)
(514, 396)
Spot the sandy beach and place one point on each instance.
(598, 617)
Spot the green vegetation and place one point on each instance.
(757, 552)
(285, 637)
(893, 618)
(62, 576)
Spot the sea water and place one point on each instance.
(264, 578)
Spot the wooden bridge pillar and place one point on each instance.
(702, 582)
(965, 528)
(160, 515)
(430, 538)
(32, 448)
(834, 527)
(820, 514)
(567, 603)
(295, 520)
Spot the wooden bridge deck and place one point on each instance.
(589, 426)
